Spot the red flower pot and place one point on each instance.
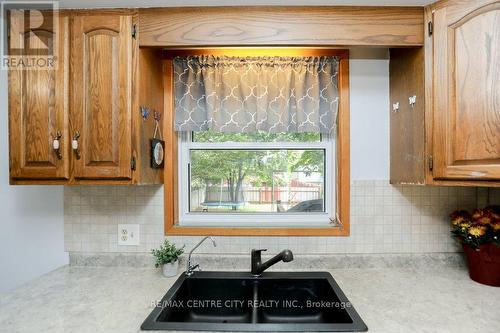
(484, 264)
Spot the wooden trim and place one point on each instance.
(343, 148)
(258, 51)
(171, 213)
(455, 9)
(281, 25)
(170, 169)
(428, 91)
(137, 92)
(72, 182)
(464, 182)
(102, 11)
(218, 231)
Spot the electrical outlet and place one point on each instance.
(128, 234)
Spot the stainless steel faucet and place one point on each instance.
(190, 268)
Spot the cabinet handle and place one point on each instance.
(74, 145)
(56, 144)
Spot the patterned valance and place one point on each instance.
(271, 94)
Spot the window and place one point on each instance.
(260, 179)
(294, 184)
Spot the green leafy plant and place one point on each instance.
(167, 253)
(480, 227)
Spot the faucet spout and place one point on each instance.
(190, 268)
(258, 266)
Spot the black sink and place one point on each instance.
(238, 301)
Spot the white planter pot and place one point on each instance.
(170, 269)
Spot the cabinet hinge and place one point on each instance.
(132, 163)
(430, 28)
(431, 163)
(134, 31)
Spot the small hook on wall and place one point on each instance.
(395, 107)
(145, 112)
(412, 100)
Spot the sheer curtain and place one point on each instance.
(271, 94)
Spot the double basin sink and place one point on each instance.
(240, 301)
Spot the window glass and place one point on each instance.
(256, 180)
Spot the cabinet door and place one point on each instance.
(101, 60)
(466, 107)
(38, 106)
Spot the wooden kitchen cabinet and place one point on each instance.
(93, 100)
(101, 96)
(38, 107)
(466, 90)
(451, 136)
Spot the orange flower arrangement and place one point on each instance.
(477, 231)
(480, 227)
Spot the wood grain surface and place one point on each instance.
(407, 124)
(466, 92)
(38, 108)
(312, 26)
(150, 94)
(101, 100)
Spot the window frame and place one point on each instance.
(261, 220)
(340, 225)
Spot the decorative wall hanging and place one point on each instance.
(157, 144)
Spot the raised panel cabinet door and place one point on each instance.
(38, 108)
(101, 75)
(466, 110)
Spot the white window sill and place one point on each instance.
(235, 220)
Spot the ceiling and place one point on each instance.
(184, 3)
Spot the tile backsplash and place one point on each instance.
(384, 219)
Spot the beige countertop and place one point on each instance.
(118, 299)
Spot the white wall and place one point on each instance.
(369, 81)
(31, 219)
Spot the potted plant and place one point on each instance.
(167, 256)
(479, 234)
